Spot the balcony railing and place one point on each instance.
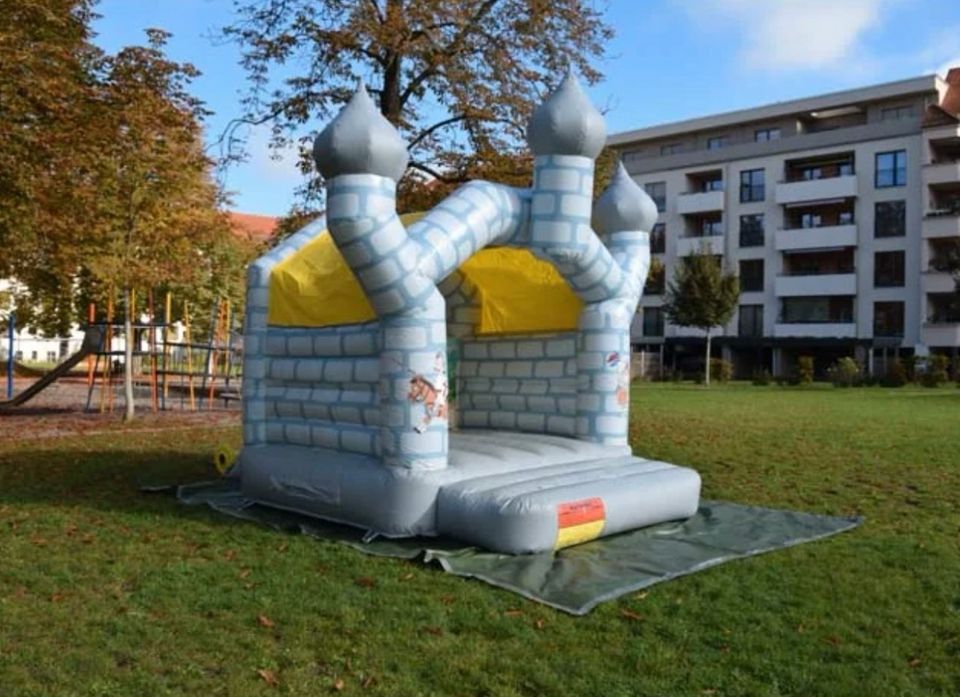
(820, 272)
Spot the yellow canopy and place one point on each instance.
(519, 293)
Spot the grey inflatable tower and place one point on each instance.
(350, 423)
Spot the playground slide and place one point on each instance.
(91, 342)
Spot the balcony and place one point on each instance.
(700, 202)
(941, 173)
(935, 334)
(937, 282)
(815, 330)
(935, 226)
(690, 245)
(818, 284)
(816, 237)
(816, 189)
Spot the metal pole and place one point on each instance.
(10, 330)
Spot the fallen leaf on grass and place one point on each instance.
(914, 662)
(57, 597)
(269, 677)
(282, 547)
(244, 573)
(365, 581)
(338, 684)
(540, 624)
(264, 621)
(631, 615)
(833, 640)
(641, 595)
(368, 681)
(433, 631)
(406, 577)
(447, 599)
(230, 554)
(513, 612)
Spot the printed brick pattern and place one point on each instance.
(477, 215)
(255, 331)
(361, 214)
(413, 387)
(525, 383)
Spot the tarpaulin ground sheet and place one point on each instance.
(576, 579)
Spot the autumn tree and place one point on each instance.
(156, 220)
(458, 78)
(46, 90)
(701, 295)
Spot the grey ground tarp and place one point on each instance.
(577, 579)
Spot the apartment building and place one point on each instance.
(836, 211)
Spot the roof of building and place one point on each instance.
(831, 100)
(254, 227)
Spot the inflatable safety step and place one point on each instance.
(546, 508)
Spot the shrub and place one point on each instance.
(896, 375)
(762, 377)
(910, 368)
(721, 370)
(804, 370)
(936, 371)
(845, 373)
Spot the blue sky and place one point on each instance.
(670, 60)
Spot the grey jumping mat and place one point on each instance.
(577, 579)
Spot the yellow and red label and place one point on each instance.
(579, 521)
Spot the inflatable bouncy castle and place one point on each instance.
(464, 372)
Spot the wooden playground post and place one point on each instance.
(167, 317)
(106, 394)
(152, 343)
(91, 359)
(188, 339)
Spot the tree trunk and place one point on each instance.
(128, 411)
(706, 370)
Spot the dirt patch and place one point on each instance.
(59, 411)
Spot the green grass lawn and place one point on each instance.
(106, 591)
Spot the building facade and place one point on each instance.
(836, 211)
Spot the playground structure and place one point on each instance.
(506, 297)
(171, 367)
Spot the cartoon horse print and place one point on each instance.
(617, 362)
(432, 394)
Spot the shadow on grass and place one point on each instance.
(104, 479)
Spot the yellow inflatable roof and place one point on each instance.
(519, 292)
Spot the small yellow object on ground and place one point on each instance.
(224, 457)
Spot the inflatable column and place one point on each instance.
(362, 156)
(623, 216)
(566, 133)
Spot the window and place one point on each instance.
(631, 155)
(658, 239)
(751, 230)
(18, 355)
(890, 219)
(896, 113)
(711, 227)
(888, 319)
(671, 149)
(891, 169)
(51, 356)
(751, 321)
(652, 321)
(751, 185)
(888, 269)
(658, 192)
(711, 185)
(33, 355)
(817, 310)
(751, 275)
(717, 142)
(808, 220)
(763, 135)
(845, 218)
